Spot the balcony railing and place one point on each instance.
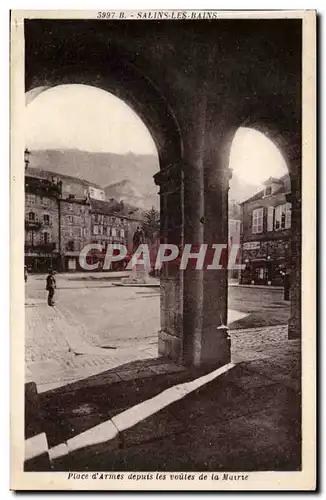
(33, 224)
(40, 248)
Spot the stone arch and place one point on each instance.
(122, 79)
(287, 142)
(286, 136)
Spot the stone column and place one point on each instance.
(215, 346)
(194, 210)
(170, 337)
(294, 198)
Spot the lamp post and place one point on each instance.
(27, 155)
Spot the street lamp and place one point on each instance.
(27, 154)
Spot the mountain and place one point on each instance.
(120, 175)
(104, 169)
(122, 188)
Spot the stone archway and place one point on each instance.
(286, 135)
(132, 87)
(288, 145)
(193, 85)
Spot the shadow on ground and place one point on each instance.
(241, 421)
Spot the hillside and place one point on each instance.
(121, 175)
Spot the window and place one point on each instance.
(70, 219)
(270, 219)
(46, 237)
(122, 233)
(283, 217)
(70, 232)
(95, 230)
(31, 199)
(45, 202)
(268, 191)
(113, 231)
(31, 217)
(108, 231)
(70, 246)
(257, 220)
(46, 219)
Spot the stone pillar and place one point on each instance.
(194, 210)
(216, 349)
(206, 183)
(193, 292)
(294, 198)
(170, 337)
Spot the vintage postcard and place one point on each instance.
(163, 309)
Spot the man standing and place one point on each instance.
(51, 286)
(287, 285)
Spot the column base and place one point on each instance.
(170, 346)
(215, 348)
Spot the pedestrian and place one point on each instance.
(25, 273)
(287, 285)
(51, 286)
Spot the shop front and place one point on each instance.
(38, 262)
(263, 265)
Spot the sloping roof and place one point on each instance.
(114, 207)
(35, 184)
(47, 174)
(273, 180)
(285, 186)
(105, 207)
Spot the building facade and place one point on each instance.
(42, 238)
(110, 224)
(75, 231)
(266, 234)
(59, 223)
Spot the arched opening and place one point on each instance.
(260, 224)
(89, 180)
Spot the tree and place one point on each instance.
(151, 224)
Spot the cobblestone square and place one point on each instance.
(96, 325)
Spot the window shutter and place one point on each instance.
(270, 219)
(288, 216)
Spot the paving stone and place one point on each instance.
(159, 425)
(247, 419)
(252, 380)
(150, 457)
(135, 374)
(167, 368)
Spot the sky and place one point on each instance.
(88, 118)
(254, 157)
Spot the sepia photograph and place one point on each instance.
(163, 249)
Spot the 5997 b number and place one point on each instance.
(106, 15)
